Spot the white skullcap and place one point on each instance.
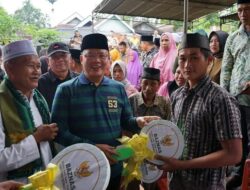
(17, 49)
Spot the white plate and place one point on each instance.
(150, 173)
(165, 139)
(82, 166)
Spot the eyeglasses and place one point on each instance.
(96, 56)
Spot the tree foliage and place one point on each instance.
(46, 36)
(213, 20)
(206, 22)
(12, 29)
(42, 37)
(28, 14)
(8, 27)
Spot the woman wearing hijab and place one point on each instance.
(217, 40)
(118, 72)
(134, 69)
(165, 58)
(169, 87)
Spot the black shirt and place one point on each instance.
(2, 73)
(48, 83)
(172, 86)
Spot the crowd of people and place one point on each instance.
(97, 88)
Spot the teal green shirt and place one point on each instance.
(86, 113)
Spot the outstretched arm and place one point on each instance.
(229, 155)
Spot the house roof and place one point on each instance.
(164, 9)
(145, 23)
(85, 22)
(166, 28)
(75, 15)
(64, 26)
(110, 18)
(145, 28)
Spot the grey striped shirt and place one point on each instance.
(206, 115)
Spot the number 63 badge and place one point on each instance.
(112, 104)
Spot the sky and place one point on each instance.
(62, 8)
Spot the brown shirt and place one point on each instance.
(160, 106)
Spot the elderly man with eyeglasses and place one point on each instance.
(59, 71)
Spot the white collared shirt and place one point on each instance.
(24, 152)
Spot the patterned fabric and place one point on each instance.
(21, 110)
(235, 71)
(206, 115)
(147, 57)
(160, 107)
(19, 122)
(85, 113)
(124, 57)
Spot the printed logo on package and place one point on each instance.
(82, 166)
(165, 138)
(150, 173)
(83, 170)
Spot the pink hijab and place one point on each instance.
(165, 58)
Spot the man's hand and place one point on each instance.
(170, 164)
(10, 185)
(143, 121)
(108, 151)
(46, 132)
(246, 89)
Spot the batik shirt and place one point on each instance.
(206, 115)
(235, 71)
(147, 57)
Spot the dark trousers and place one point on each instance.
(114, 183)
(134, 185)
(180, 183)
(245, 129)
